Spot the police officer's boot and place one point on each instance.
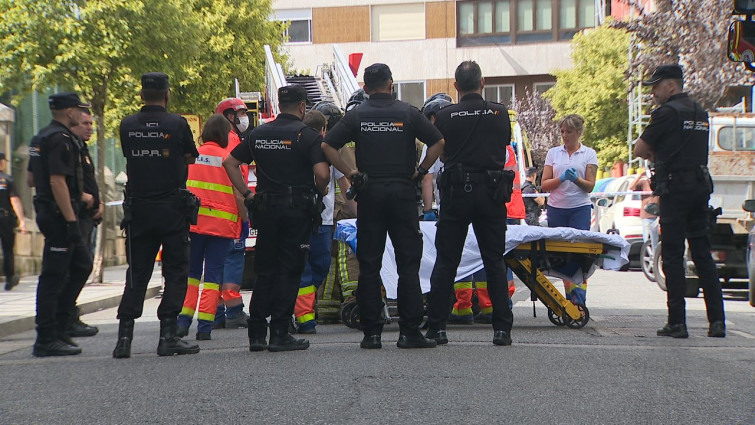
(77, 328)
(170, 343)
(125, 336)
(257, 335)
(281, 340)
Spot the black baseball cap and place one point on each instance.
(377, 73)
(664, 72)
(292, 93)
(155, 81)
(531, 172)
(66, 100)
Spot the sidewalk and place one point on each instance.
(18, 306)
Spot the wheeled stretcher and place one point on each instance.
(532, 253)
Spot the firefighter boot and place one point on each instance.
(257, 336)
(125, 336)
(281, 340)
(170, 343)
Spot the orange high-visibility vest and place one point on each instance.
(515, 207)
(218, 213)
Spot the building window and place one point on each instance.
(503, 94)
(486, 22)
(574, 15)
(411, 92)
(398, 22)
(542, 87)
(300, 24)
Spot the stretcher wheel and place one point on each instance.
(345, 313)
(354, 318)
(579, 323)
(556, 320)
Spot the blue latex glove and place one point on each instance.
(562, 178)
(430, 216)
(571, 175)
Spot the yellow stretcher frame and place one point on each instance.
(519, 260)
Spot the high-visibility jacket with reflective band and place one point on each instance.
(515, 207)
(218, 213)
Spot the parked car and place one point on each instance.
(599, 187)
(620, 214)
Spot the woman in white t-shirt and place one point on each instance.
(569, 176)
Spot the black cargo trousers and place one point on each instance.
(388, 207)
(65, 269)
(155, 223)
(684, 215)
(461, 205)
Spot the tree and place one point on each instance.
(99, 48)
(595, 88)
(692, 33)
(537, 117)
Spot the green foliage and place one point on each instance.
(101, 47)
(595, 88)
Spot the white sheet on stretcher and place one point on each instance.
(613, 259)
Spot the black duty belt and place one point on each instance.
(685, 174)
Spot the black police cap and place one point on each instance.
(664, 72)
(292, 93)
(377, 73)
(66, 100)
(155, 81)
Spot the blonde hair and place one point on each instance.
(573, 121)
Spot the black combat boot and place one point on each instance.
(170, 343)
(257, 335)
(281, 340)
(77, 328)
(50, 345)
(125, 336)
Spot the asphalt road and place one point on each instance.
(613, 371)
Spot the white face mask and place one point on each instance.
(243, 123)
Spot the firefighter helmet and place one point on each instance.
(434, 104)
(232, 103)
(357, 98)
(330, 110)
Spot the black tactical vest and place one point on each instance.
(385, 147)
(155, 160)
(282, 163)
(38, 164)
(688, 149)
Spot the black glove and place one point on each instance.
(73, 234)
(248, 203)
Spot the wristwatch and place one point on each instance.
(421, 171)
(247, 193)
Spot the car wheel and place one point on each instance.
(646, 260)
(660, 278)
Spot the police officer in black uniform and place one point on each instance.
(474, 188)
(384, 131)
(90, 217)
(158, 147)
(11, 216)
(55, 162)
(676, 140)
(290, 167)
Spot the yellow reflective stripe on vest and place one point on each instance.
(193, 281)
(307, 290)
(481, 285)
(222, 188)
(209, 212)
(211, 286)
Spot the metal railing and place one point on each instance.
(274, 79)
(344, 82)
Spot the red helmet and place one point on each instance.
(233, 103)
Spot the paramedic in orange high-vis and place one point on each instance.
(217, 226)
